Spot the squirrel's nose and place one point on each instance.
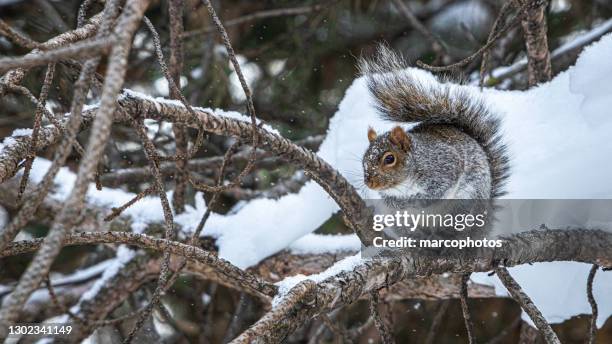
(368, 181)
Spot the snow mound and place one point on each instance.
(347, 264)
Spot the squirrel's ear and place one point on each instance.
(371, 134)
(399, 138)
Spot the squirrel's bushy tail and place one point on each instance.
(401, 97)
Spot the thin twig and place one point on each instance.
(66, 310)
(527, 305)
(437, 322)
(14, 77)
(279, 12)
(501, 18)
(593, 303)
(176, 93)
(117, 211)
(437, 46)
(42, 99)
(381, 325)
(265, 159)
(226, 159)
(512, 22)
(175, 12)
(172, 83)
(84, 49)
(81, 17)
(249, 98)
(463, 294)
(17, 37)
(48, 114)
(169, 234)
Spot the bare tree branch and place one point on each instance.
(469, 323)
(42, 99)
(175, 12)
(536, 41)
(437, 321)
(249, 281)
(436, 44)
(527, 305)
(497, 25)
(16, 37)
(380, 322)
(11, 154)
(80, 49)
(170, 232)
(83, 12)
(279, 12)
(593, 303)
(36, 198)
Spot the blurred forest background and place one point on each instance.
(299, 58)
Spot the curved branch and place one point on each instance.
(593, 303)
(527, 305)
(16, 37)
(220, 265)
(15, 149)
(79, 49)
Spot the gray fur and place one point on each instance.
(456, 146)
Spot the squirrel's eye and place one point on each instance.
(389, 159)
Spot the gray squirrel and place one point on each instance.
(454, 152)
